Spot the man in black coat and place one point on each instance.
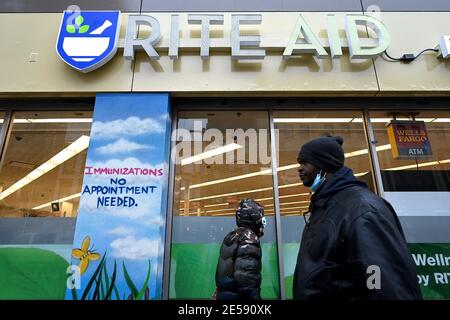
(238, 274)
(353, 246)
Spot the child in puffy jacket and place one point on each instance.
(238, 273)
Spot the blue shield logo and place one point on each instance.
(88, 39)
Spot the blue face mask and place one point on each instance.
(318, 181)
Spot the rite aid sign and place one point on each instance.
(89, 39)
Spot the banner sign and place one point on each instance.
(409, 139)
(119, 236)
(433, 268)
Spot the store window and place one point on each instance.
(294, 129)
(209, 184)
(416, 181)
(406, 176)
(42, 167)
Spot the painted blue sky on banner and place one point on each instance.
(121, 208)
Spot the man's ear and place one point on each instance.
(318, 170)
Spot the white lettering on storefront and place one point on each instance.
(249, 46)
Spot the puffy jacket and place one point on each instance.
(238, 273)
(350, 228)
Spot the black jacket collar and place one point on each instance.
(341, 180)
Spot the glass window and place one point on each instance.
(42, 168)
(416, 182)
(208, 188)
(429, 172)
(294, 129)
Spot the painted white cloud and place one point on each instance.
(121, 146)
(132, 126)
(122, 231)
(156, 222)
(135, 248)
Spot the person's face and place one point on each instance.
(307, 172)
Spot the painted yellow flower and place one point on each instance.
(85, 255)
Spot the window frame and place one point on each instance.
(362, 105)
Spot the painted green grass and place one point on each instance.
(194, 265)
(102, 286)
(32, 273)
(290, 252)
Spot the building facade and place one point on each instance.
(129, 135)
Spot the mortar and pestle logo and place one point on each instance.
(85, 49)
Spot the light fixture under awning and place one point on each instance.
(70, 151)
(312, 120)
(211, 153)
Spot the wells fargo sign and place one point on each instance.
(409, 139)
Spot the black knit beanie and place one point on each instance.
(325, 153)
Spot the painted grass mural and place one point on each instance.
(32, 273)
(119, 236)
(102, 284)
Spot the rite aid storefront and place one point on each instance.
(125, 151)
